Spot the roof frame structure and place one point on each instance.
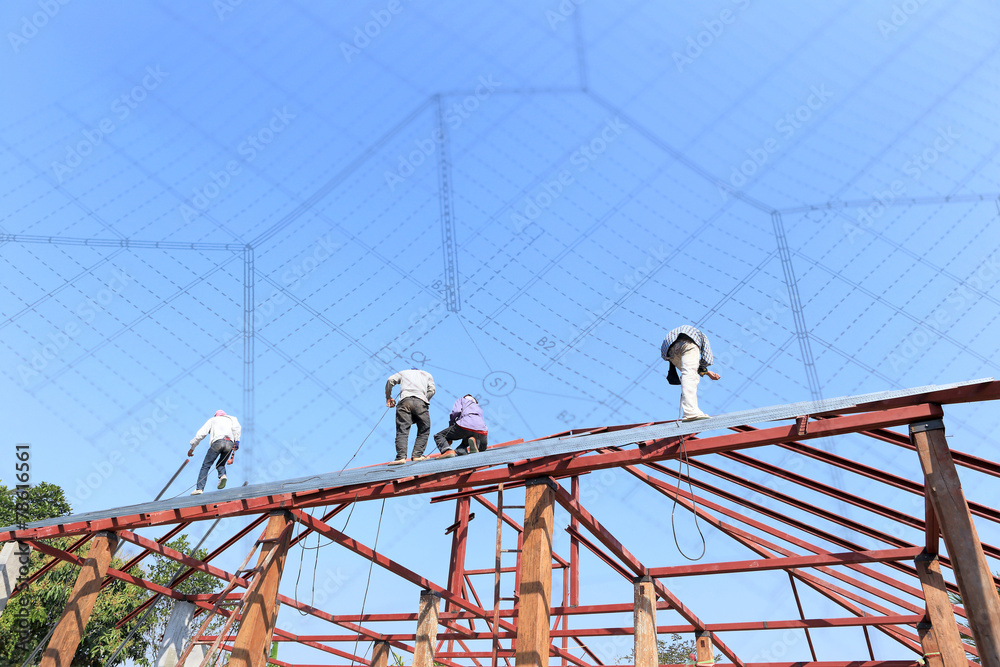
(876, 586)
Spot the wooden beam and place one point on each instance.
(644, 615)
(69, 630)
(253, 641)
(705, 652)
(972, 573)
(427, 628)
(928, 642)
(945, 636)
(536, 575)
(380, 654)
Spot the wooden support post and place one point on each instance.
(705, 651)
(536, 576)
(253, 641)
(427, 629)
(13, 565)
(945, 637)
(646, 653)
(380, 654)
(972, 573)
(69, 630)
(932, 654)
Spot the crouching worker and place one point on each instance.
(224, 432)
(466, 424)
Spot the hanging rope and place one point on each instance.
(371, 565)
(365, 440)
(682, 461)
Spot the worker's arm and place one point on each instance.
(430, 386)
(237, 429)
(390, 383)
(200, 435)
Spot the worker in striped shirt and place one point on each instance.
(688, 349)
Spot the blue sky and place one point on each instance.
(520, 198)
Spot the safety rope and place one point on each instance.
(365, 440)
(682, 461)
(922, 660)
(371, 565)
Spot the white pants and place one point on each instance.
(686, 356)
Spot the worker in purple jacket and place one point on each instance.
(466, 424)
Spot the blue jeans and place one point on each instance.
(220, 449)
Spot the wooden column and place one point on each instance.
(69, 630)
(945, 636)
(705, 651)
(380, 654)
(932, 655)
(972, 573)
(536, 576)
(427, 630)
(644, 621)
(253, 641)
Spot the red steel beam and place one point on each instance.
(394, 567)
(761, 547)
(187, 573)
(51, 564)
(117, 574)
(572, 505)
(758, 565)
(565, 465)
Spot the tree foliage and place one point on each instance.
(678, 651)
(42, 603)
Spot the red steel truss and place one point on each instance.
(899, 589)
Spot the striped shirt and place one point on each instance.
(700, 339)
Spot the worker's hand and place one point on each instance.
(390, 402)
(714, 376)
(191, 452)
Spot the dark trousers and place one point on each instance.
(444, 438)
(218, 450)
(412, 410)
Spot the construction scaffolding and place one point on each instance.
(915, 606)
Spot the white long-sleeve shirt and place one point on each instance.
(218, 428)
(411, 383)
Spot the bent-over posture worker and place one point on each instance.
(687, 349)
(224, 438)
(465, 423)
(416, 388)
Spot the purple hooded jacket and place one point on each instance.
(467, 414)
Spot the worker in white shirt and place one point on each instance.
(223, 433)
(688, 350)
(416, 389)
